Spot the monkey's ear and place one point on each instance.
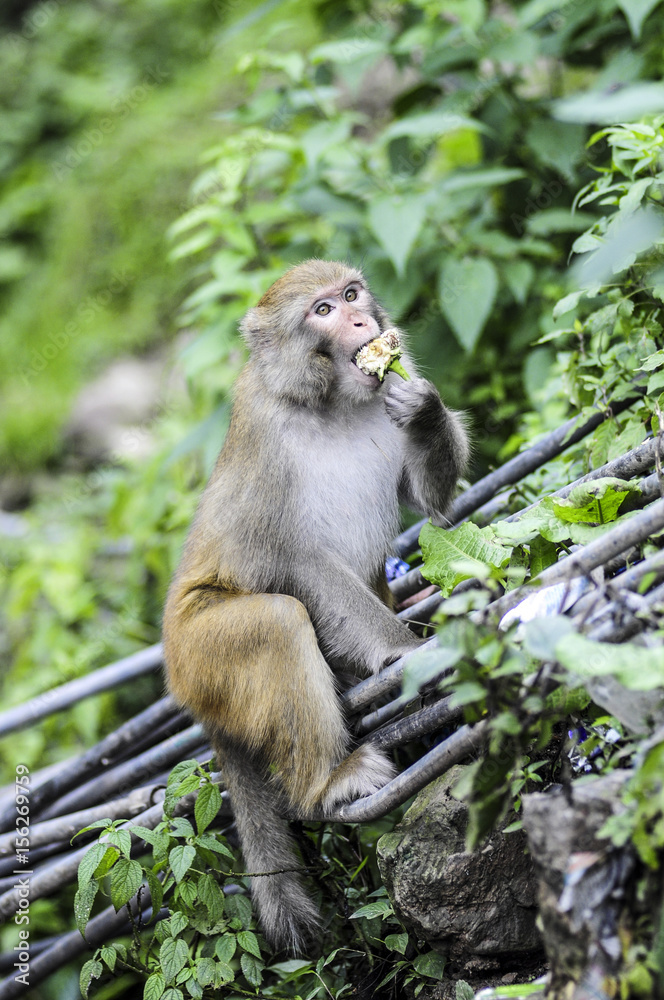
(254, 329)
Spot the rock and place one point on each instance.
(113, 415)
(583, 882)
(472, 907)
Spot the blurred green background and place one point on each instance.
(161, 163)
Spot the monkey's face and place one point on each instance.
(342, 318)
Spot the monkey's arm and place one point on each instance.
(352, 624)
(436, 446)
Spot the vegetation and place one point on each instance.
(444, 148)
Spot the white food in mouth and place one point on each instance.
(376, 356)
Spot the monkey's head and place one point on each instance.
(306, 330)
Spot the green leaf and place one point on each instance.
(519, 276)
(109, 956)
(181, 827)
(187, 893)
(83, 902)
(381, 908)
(238, 906)
(595, 502)
(431, 964)
(467, 290)
(154, 986)
(156, 890)
(209, 841)
(396, 223)
(430, 125)
(126, 880)
(208, 804)
(541, 635)
(211, 896)
(173, 956)
(636, 11)
(194, 989)
(122, 840)
(95, 826)
(462, 180)
(111, 855)
(652, 362)
(252, 968)
(656, 383)
(638, 668)
(89, 864)
(249, 942)
(181, 771)
(628, 103)
(567, 303)
(178, 923)
(225, 947)
(151, 837)
(459, 554)
(397, 942)
(542, 554)
(205, 971)
(181, 859)
(91, 970)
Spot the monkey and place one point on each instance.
(282, 585)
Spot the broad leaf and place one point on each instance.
(154, 986)
(225, 947)
(211, 896)
(252, 968)
(91, 970)
(467, 290)
(126, 879)
(396, 223)
(595, 502)
(636, 11)
(381, 908)
(460, 553)
(173, 956)
(181, 859)
(208, 804)
(397, 942)
(432, 965)
(83, 900)
(638, 668)
(249, 942)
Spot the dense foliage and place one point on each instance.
(439, 146)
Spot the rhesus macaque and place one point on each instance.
(282, 581)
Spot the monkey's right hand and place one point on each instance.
(414, 405)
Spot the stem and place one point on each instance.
(396, 366)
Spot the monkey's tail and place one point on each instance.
(288, 916)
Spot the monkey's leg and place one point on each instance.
(288, 915)
(250, 667)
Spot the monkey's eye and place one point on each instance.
(350, 295)
(323, 309)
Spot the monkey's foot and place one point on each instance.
(363, 773)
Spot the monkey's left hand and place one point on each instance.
(414, 405)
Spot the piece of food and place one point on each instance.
(382, 355)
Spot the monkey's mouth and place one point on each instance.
(368, 377)
(375, 358)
